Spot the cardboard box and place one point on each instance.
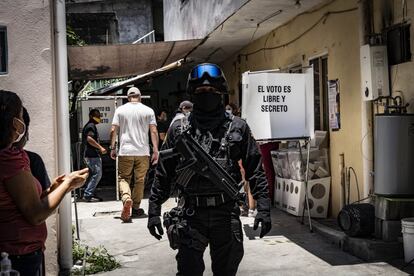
(318, 192)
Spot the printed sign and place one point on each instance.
(107, 110)
(334, 104)
(278, 105)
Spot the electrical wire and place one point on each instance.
(361, 199)
(395, 78)
(361, 147)
(356, 181)
(323, 19)
(257, 27)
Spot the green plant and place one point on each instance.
(97, 259)
(72, 38)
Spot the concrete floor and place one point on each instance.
(289, 249)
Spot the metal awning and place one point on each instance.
(115, 61)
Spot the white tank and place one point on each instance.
(394, 155)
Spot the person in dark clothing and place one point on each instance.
(209, 215)
(37, 166)
(183, 111)
(90, 140)
(162, 125)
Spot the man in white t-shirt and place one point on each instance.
(132, 121)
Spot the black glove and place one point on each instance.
(153, 224)
(263, 216)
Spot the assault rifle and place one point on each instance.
(195, 158)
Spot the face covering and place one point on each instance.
(20, 134)
(98, 120)
(207, 102)
(208, 112)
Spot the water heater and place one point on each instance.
(374, 72)
(394, 155)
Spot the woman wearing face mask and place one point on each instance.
(232, 109)
(23, 207)
(184, 110)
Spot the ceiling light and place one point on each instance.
(269, 16)
(298, 5)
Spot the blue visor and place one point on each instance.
(211, 69)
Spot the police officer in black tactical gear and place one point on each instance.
(206, 214)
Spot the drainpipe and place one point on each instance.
(365, 29)
(64, 230)
(342, 170)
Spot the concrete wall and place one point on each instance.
(134, 17)
(30, 75)
(338, 38)
(190, 19)
(30, 72)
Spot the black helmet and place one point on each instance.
(207, 74)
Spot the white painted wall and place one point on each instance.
(30, 70)
(30, 75)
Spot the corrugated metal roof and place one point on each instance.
(115, 61)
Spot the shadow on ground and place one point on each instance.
(291, 227)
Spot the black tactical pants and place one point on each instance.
(222, 227)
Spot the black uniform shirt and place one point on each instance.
(90, 130)
(242, 146)
(38, 169)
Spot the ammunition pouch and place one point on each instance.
(173, 221)
(180, 233)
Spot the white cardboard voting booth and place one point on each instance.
(278, 105)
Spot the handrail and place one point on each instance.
(152, 34)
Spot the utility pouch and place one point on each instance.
(236, 226)
(180, 233)
(236, 229)
(173, 236)
(173, 224)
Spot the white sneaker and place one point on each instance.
(252, 213)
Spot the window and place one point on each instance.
(3, 50)
(320, 84)
(94, 28)
(398, 44)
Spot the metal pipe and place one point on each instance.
(151, 34)
(306, 185)
(348, 184)
(365, 29)
(342, 173)
(110, 97)
(63, 132)
(115, 86)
